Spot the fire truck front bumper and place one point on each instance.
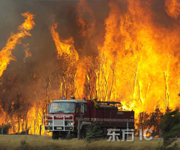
(63, 123)
(59, 128)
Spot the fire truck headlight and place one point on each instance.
(49, 122)
(69, 123)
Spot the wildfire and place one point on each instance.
(6, 57)
(137, 59)
(137, 64)
(6, 52)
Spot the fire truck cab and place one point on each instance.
(63, 117)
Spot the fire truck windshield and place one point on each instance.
(62, 107)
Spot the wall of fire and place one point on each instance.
(116, 50)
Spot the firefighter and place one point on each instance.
(72, 97)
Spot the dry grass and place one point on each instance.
(9, 142)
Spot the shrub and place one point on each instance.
(93, 133)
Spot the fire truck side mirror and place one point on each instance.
(82, 109)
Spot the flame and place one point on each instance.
(6, 57)
(63, 46)
(138, 61)
(6, 52)
(3, 114)
(33, 121)
(173, 8)
(27, 53)
(80, 79)
(35, 115)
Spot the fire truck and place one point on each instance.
(65, 115)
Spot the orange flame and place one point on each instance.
(137, 60)
(6, 52)
(63, 46)
(27, 53)
(6, 57)
(3, 114)
(173, 8)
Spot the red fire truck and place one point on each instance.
(63, 117)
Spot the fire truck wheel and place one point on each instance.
(55, 135)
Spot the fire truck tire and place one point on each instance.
(55, 135)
